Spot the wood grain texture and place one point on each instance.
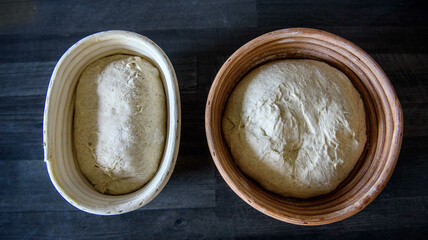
(34, 17)
(347, 12)
(211, 42)
(219, 222)
(192, 178)
(197, 203)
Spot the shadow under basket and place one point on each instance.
(384, 121)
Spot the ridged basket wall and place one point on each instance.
(58, 121)
(383, 115)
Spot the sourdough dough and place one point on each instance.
(295, 126)
(119, 123)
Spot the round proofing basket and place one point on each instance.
(383, 115)
(58, 122)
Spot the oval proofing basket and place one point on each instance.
(58, 122)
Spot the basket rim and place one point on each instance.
(361, 55)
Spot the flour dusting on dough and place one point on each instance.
(295, 126)
(119, 123)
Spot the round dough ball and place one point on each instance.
(297, 127)
(119, 123)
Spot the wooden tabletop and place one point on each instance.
(199, 36)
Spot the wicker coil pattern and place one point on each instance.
(58, 121)
(383, 115)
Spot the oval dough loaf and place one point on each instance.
(295, 126)
(119, 123)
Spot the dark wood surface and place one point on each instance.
(198, 36)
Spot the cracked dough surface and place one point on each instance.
(119, 123)
(297, 127)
